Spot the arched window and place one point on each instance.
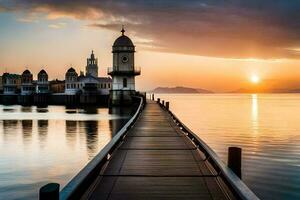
(124, 82)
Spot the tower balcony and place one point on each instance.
(115, 71)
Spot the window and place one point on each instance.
(124, 82)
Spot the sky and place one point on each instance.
(218, 45)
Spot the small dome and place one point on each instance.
(71, 70)
(42, 72)
(26, 72)
(122, 41)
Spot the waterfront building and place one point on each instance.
(88, 84)
(123, 71)
(71, 82)
(11, 83)
(57, 86)
(92, 66)
(42, 85)
(27, 87)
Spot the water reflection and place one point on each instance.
(254, 113)
(26, 109)
(71, 132)
(265, 126)
(42, 131)
(91, 134)
(116, 124)
(27, 130)
(42, 109)
(9, 126)
(49, 144)
(90, 110)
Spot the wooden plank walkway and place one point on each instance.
(156, 161)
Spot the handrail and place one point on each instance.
(80, 183)
(238, 186)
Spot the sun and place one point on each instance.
(255, 79)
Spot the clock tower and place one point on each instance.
(123, 71)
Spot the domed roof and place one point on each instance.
(42, 72)
(123, 40)
(71, 70)
(26, 72)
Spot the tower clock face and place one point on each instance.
(124, 59)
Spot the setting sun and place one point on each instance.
(255, 79)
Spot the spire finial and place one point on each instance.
(123, 30)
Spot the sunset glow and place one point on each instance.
(255, 79)
(196, 51)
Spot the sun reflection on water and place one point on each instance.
(254, 113)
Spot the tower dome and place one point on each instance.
(26, 72)
(71, 69)
(123, 40)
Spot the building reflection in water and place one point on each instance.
(27, 130)
(9, 129)
(10, 126)
(42, 131)
(117, 124)
(43, 109)
(90, 110)
(71, 132)
(91, 135)
(26, 109)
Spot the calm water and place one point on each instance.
(266, 126)
(41, 145)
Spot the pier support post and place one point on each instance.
(167, 105)
(235, 160)
(163, 103)
(49, 192)
(158, 100)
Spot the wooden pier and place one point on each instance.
(156, 161)
(155, 158)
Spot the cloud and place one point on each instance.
(218, 28)
(57, 25)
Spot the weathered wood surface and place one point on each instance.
(156, 161)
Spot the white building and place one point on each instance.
(11, 83)
(71, 82)
(89, 83)
(123, 71)
(42, 85)
(27, 87)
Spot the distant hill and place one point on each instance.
(182, 90)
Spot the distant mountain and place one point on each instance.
(183, 90)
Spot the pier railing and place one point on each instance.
(232, 180)
(83, 180)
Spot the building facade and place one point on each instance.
(71, 82)
(27, 87)
(123, 71)
(42, 84)
(57, 86)
(11, 84)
